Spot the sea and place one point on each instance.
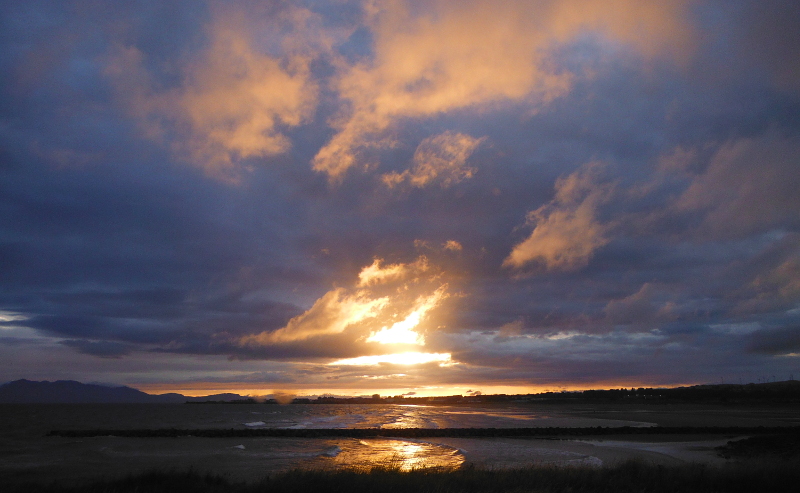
(27, 452)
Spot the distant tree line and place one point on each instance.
(774, 392)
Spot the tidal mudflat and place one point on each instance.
(28, 454)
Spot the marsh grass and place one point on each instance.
(631, 476)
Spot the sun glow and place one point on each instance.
(401, 332)
(409, 358)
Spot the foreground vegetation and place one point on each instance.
(632, 476)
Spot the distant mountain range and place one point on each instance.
(72, 392)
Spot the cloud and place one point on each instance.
(566, 231)
(768, 40)
(783, 282)
(9, 318)
(233, 100)
(780, 341)
(445, 56)
(403, 331)
(453, 246)
(385, 308)
(376, 273)
(511, 329)
(439, 158)
(641, 309)
(771, 280)
(750, 186)
(331, 314)
(408, 358)
(101, 349)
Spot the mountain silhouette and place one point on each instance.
(72, 392)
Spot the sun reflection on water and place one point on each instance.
(400, 455)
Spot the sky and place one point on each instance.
(399, 197)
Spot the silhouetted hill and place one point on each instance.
(72, 392)
(69, 391)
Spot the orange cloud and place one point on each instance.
(377, 273)
(331, 314)
(453, 246)
(441, 157)
(233, 100)
(444, 55)
(566, 232)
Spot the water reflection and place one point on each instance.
(404, 455)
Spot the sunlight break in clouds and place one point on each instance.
(331, 314)
(9, 316)
(441, 56)
(566, 232)
(399, 310)
(442, 156)
(402, 332)
(409, 358)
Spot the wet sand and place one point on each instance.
(685, 414)
(500, 453)
(250, 459)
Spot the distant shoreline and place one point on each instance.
(72, 392)
(540, 432)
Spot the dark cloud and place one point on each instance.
(769, 38)
(779, 342)
(101, 349)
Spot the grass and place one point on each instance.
(631, 476)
